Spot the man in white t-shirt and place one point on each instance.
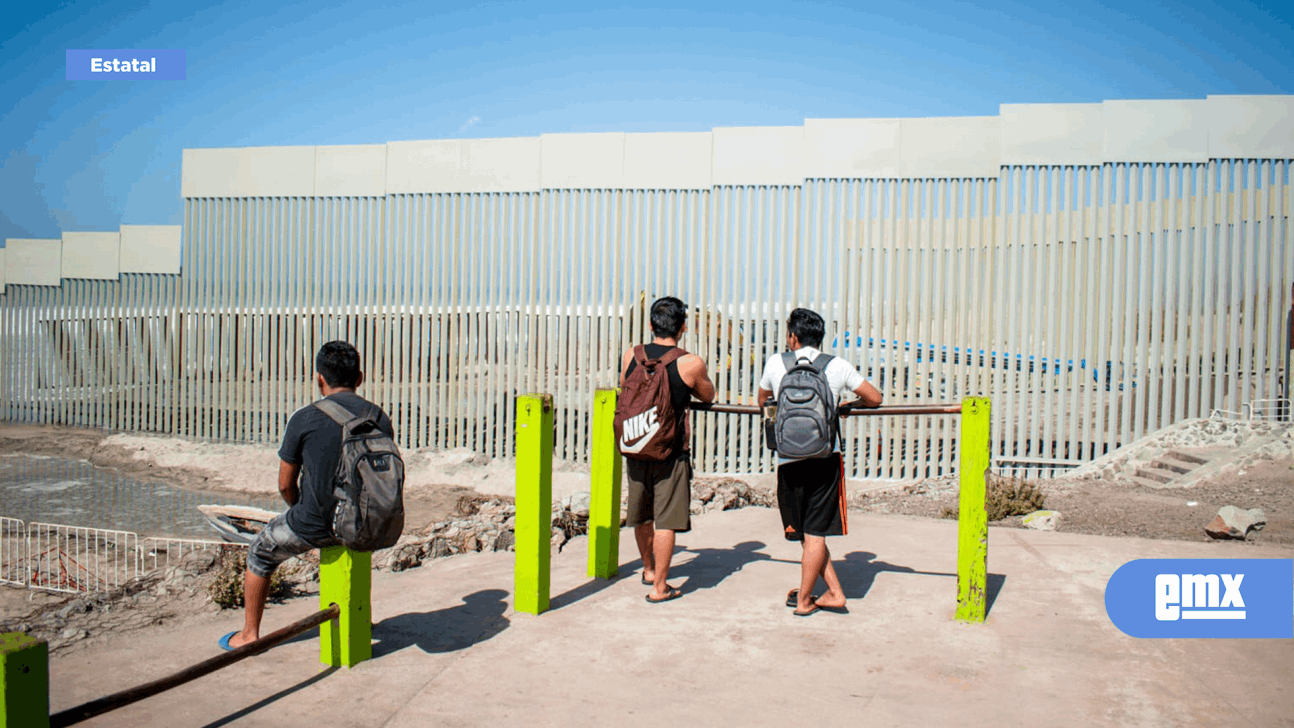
(811, 491)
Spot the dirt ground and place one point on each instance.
(1104, 509)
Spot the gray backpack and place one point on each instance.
(807, 421)
(369, 483)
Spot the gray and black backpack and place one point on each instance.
(369, 483)
(807, 421)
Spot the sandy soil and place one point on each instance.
(1105, 509)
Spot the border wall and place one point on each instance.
(1099, 270)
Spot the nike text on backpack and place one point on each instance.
(369, 482)
(807, 421)
(646, 424)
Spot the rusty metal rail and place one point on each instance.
(846, 410)
(89, 710)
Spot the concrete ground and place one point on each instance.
(449, 650)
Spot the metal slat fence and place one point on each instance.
(1094, 303)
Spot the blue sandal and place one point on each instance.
(224, 642)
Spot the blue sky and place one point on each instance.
(91, 155)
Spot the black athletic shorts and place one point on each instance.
(811, 497)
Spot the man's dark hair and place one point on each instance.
(807, 326)
(667, 317)
(338, 362)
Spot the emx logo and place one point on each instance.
(1195, 596)
(1203, 598)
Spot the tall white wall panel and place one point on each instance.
(857, 148)
(91, 255)
(668, 160)
(582, 161)
(353, 170)
(1156, 131)
(33, 262)
(2, 269)
(463, 165)
(1251, 127)
(151, 249)
(759, 155)
(1052, 134)
(958, 146)
(248, 172)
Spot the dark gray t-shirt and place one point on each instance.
(313, 441)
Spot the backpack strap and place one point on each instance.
(672, 356)
(338, 413)
(821, 362)
(788, 360)
(669, 357)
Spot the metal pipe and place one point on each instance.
(85, 711)
(846, 410)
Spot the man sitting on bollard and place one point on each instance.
(311, 450)
(810, 470)
(653, 432)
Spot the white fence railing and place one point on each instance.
(74, 559)
(13, 551)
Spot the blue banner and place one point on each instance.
(1213, 598)
(160, 64)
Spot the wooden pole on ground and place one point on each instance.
(972, 519)
(346, 579)
(121, 699)
(24, 681)
(604, 489)
(534, 503)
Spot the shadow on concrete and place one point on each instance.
(858, 571)
(479, 618)
(712, 566)
(239, 715)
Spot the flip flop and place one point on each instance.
(224, 642)
(648, 583)
(814, 608)
(670, 595)
(833, 610)
(793, 598)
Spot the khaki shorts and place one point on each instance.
(660, 492)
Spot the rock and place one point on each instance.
(471, 543)
(702, 491)
(697, 507)
(73, 633)
(200, 561)
(505, 541)
(579, 505)
(1042, 520)
(1235, 523)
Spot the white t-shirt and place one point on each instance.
(842, 377)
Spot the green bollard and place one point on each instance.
(534, 503)
(972, 518)
(346, 579)
(604, 500)
(24, 681)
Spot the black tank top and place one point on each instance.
(679, 393)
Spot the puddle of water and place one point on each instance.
(75, 493)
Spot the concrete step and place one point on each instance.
(1143, 482)
(1172, 464)
(1159, 476)
(1187, 457)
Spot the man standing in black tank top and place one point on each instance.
(660, 493)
